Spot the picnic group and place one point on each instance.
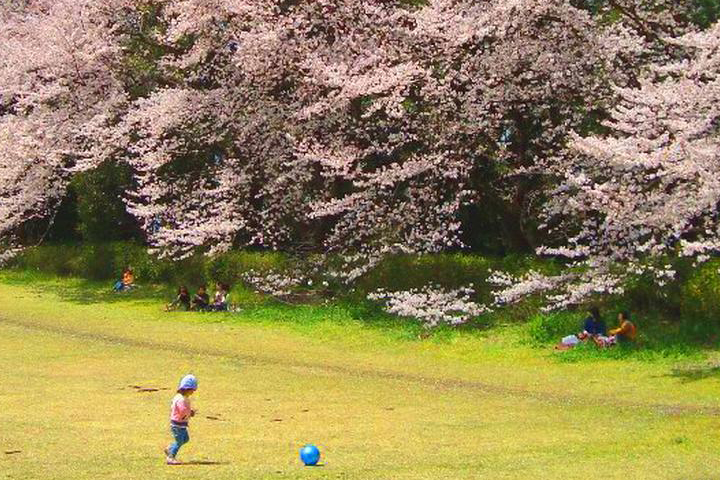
(184, 301)
(594, 330)
(200, 302)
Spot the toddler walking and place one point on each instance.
(180, 413)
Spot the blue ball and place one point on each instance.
(310, 455)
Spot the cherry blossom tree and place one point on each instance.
(56, 83)
(432, 305)
(632, 201)
(476, 90)
(358, 129)
(248, 144)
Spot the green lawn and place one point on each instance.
(380, 403)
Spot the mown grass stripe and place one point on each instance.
(566, 399)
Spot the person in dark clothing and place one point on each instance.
(592, 328)
(201, 300)
(182, 301)
(594, 324)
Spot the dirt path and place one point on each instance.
(560, 399)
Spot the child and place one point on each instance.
(127, 281)
(594, 324)
(201, 300)
(181, 301)
(220, 303)
(180, 413)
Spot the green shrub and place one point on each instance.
(551, 327)
(245, 297)
(101, 214)
(57, 259)
(701, 295)
(97, 262)
(404, 272)
(644, 295)
(106, 261)
(229, 267)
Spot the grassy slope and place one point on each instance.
(379, 403)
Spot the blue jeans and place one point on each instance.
(181, 436)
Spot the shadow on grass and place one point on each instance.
(83, 291)
(693, 374)
(647, 351)
(87, 293)
(373, 315)
(93, 292)
(203, 462)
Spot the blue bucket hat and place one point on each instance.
(188, 382)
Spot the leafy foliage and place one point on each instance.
(99, 193)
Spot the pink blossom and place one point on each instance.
(431, 305)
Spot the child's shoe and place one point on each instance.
(169, 459)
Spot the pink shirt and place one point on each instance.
(180, 409)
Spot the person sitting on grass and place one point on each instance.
(182, 301)
(127, 282)
(624, 334)
(627, 331)
(593, 326)
(220, 302)
(201, 300)
(128, 279)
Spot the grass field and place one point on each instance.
(87, 378)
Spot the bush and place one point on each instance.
(685, 311)
(96, 262)
(229, 267)
(551, 327)
(106, 261)
(701, 295)
(406, 272)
